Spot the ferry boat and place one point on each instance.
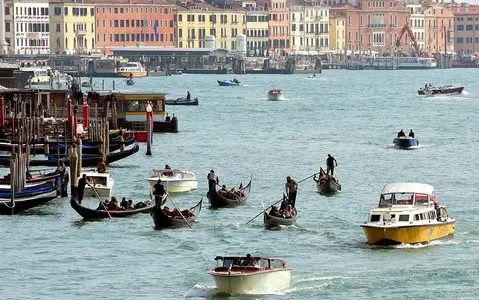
(408, 213)
(38, 75)
(416, 63)
(98, 184)
(132, 68)
(250, 275)
(175, 180)
(275, 95)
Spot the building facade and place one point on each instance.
(134, 23)
(309, 26)
(337, 32)
(27, 26)
(279, 25)
(417, 24)
(72, 27)
(256, 30)
(197, 22)
(439, 29)
(466, 34)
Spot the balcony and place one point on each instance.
(80, 32)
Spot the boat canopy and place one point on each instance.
(408, 187)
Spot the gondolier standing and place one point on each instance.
(159, 191)
(81, 188)
(330, 164)
(213, 180)
(291, 190)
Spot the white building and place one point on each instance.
(29, 28)
(256, 28)
(417, 24)
(309, 26)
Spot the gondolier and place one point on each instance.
(291, 190)
(81, 188)
(159, 191)
(213, 180)
(330, 164)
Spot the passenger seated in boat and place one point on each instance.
(102, 205)
(274, 211)
(101, 167)
(248, 261)
(166, 210)
(113, 204)
(284, 203)
(124, 204)
(411, 134)
(401, 134)
(130, 204)
(235, 80)
(140, 205)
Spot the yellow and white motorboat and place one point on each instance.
(408, 213)
(132, 69)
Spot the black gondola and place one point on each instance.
(181, 101)
(270, 220)
(29, 197)
(162, 220)
(88, 160)
(91, 214)
(219, 199)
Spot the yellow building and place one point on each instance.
(72, 26)
(337, 31)
(197, 21)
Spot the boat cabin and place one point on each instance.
(245, 264)
(96, 179)
(172, 173)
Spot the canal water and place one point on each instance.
(50, 253)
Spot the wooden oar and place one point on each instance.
(99, 198)
(278, 200)
(168, 196)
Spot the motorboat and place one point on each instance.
(132, 69)
(405, 142)
(441, 90)
(250, 275)
(233, 82)
(38, 75)
(408, 213)
(182, 101)
(326, 183)
(97, 184)
(174, 180)
(275, 95)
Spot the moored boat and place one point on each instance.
(132, 69)
(90, 214)
(408, 213)
(326, 183)
(182, 101)
(30, 196)
(250, 275)
(163, 217)
(233, 82)
(97, 184)
(174, 180)
(441, 90)
(229, 198)
(275, 95)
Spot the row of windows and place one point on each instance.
(212, 18)
(32, 42)
(30, 27)
(257, 33)
(312, 28)
(76, 11)
(122, 10)
(256, 18)
(28, 11)
(76, 27)
(136, 23)
(311, 42)
(468, 27)
(468, 40)
(202, 33)
(143, 37)
(469, 19)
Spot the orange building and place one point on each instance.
(374, 25)
(439, 28)
(127, 23)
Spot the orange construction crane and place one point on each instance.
(407, 29)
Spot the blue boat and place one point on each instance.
(28, 197)
(228, 83)
(405, 143)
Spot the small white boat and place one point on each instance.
(98, 184)
(38, 75)
(250, 275)
(174, 180)
(275, 95)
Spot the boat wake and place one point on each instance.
(464, 92)
(417, 246)
(392, 146)
(209, 291)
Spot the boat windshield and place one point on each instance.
(396, 199)
(96, 180)
(257, 262)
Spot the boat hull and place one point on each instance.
(386, 236)
(182, 101)
(27, 202)
(272, 221)
(405, 143)
(227, 83)
(136, 74)
(247, 283)
(90, 214)
(176, 186)
(161, 220)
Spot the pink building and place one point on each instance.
(374, 25)
(278, 24)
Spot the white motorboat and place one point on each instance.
(275, 95)
(133, 69)
(38, 75)
(98, 184)
(250, 275)
(174, 180)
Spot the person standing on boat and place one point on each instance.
(411, 134)
(291, 190)
(159, 191)
(188, 96)
(81, 188)
(213, 180)
(401, 134)
(330, 164)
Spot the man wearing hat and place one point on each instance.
(330, 164)
(213, 180)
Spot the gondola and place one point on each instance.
(29, 197)
(181, 101)
(88, 160)
(90, 214)
(36, 179)
(271, 221)
(162, 220)
(217, 200)
(327, 184)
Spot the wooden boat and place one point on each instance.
(252, 275)
(162, 220)
(327, 184)
(271, 220)
(90, 214)
(88, 160)
(31, 196)
(182, 101)
(218, 199)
